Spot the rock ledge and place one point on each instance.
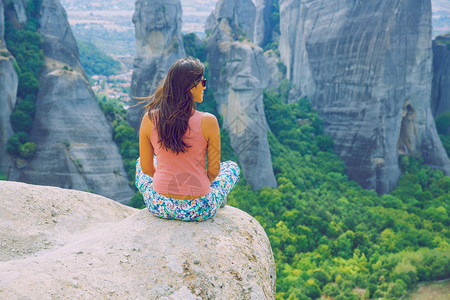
(57, 242)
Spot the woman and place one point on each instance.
(188, 182)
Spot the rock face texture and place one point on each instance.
(440, 96)
(19, 10)
(263, 25)
(74, 146)
(63, 242)
(159, 44)
(366, 67)
(239, 74)
(8, 92)
(250, 19)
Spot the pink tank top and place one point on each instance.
(182, 173)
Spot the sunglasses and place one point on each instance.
(203, 81)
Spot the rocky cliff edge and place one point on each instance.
(58, 242)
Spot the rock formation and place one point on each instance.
(440, 95)
(19, 10)
(239, 74)
(250, 19)
(8, 92)
(159, 44)
(263, 24)
(366, 67)
(62, 242)
(74, 147)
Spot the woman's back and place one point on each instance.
(183, 173)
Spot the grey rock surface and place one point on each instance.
(63, 242)
(74, 146)
(240, 14)
(19, 10)
(440, 94)
(159, 44)
(8, 92)
(59, 43)
(248, 19)
(239, 74)
(366, 67)
(262, 32)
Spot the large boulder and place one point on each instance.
(366, 67)
(58, 242)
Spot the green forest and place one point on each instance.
(331, 237)
(95, 61)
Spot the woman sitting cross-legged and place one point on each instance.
(187, 181)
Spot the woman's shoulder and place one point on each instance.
(207, 116)
(147, 121)
(209, 119)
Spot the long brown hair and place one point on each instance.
(171, 105)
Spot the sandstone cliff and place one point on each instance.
(8, 92)
(440, 96)
(159, 44)
(58, 242)
(239, 74)
(366, 67)
(73, 138)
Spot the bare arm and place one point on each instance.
(145, 146)
(211, 132)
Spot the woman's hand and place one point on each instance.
(211, 133)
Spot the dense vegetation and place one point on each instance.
(95, 61)
(25, 44)
(331, 237)
(194, 46)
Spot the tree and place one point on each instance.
(312, 289)
(21, 121)
(13, 146)
(124, 133)
(27, 107)
(28, 84)
(27, 150)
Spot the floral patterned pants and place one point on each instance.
(199, 209)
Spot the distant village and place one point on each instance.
(113, 87)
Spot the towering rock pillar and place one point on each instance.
(8, 92)
(74, 146)
(440, 97)
(159, 43)
(366, 67)
(239, 74)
